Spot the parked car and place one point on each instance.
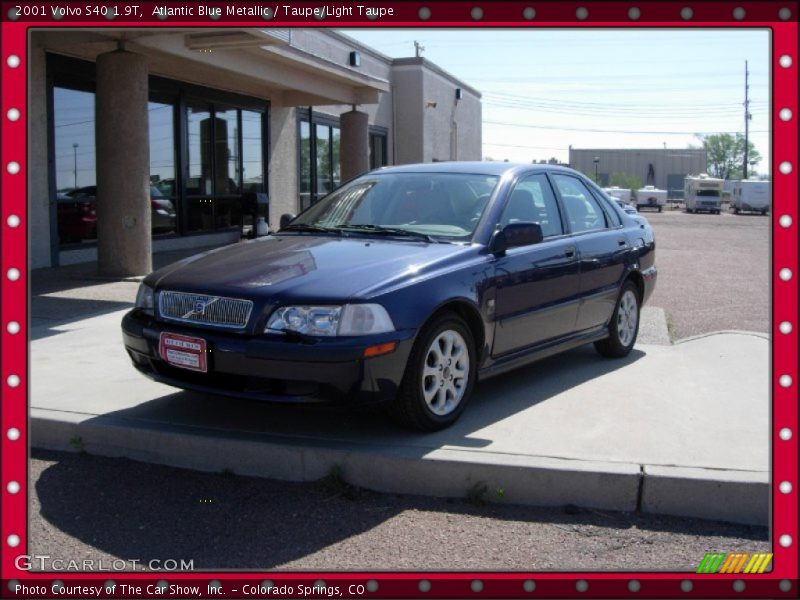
(162, 210)
(405, 286)
(77, 220)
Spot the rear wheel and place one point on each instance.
(439, 377)
(624, 326)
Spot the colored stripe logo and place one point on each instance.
(735, 562)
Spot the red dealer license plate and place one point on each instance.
(183, 351)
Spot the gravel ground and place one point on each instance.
(84, 508)
(713, 271)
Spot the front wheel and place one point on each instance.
(624, 326)
(439, 377)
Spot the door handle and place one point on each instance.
(569, 251)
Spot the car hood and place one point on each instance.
(308, 267)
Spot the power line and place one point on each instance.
(586, 129)
(534, 100)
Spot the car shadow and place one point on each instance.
(493, 400)
(143, 512)
(48, 313)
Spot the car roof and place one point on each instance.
(472, 167)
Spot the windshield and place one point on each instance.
(441, 206)
(713, 193)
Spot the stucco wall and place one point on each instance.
(452, 128)
(38, 192)
(408, 92)
(431, 124)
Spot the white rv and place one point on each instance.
(651, 197)
(751, 195)
(701, 192)
(619, 193)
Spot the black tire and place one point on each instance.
(620, 341)
(410, 407)
(659, 208)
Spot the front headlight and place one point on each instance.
(350, 319)
(144, 299)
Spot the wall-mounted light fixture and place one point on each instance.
(459, 94)
(355, 58)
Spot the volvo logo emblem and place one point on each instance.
(200, 306)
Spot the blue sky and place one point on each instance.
(544, 89)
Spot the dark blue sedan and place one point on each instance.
(405, 286)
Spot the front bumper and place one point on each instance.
(273, 368)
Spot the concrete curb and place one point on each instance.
(723, 495)
(700, 336)
(653, 326)
(516, 479)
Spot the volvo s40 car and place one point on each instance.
(405, 286)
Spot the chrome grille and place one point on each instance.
(202, 309)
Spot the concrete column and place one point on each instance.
(123, 165)
(354, 150)
(283, 168)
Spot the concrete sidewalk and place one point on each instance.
(673, 429)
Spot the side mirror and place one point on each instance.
(514, 235)
(286, 218)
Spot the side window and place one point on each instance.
(533, 201)
(583, 211)
(611, 208)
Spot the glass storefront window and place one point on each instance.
(336, 170)
(320, 155)
(221, 194)
(209, 177)
(252, 153)
(73, 122)
(324, 175)
(377, 150)
(199, 150)
(162, 168)
(226, 152)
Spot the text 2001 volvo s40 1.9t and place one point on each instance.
(404, 286)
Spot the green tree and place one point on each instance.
(625, 181)
(726, 154)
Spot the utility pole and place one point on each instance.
(418, 48)
(75, 165)
(747, 117)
